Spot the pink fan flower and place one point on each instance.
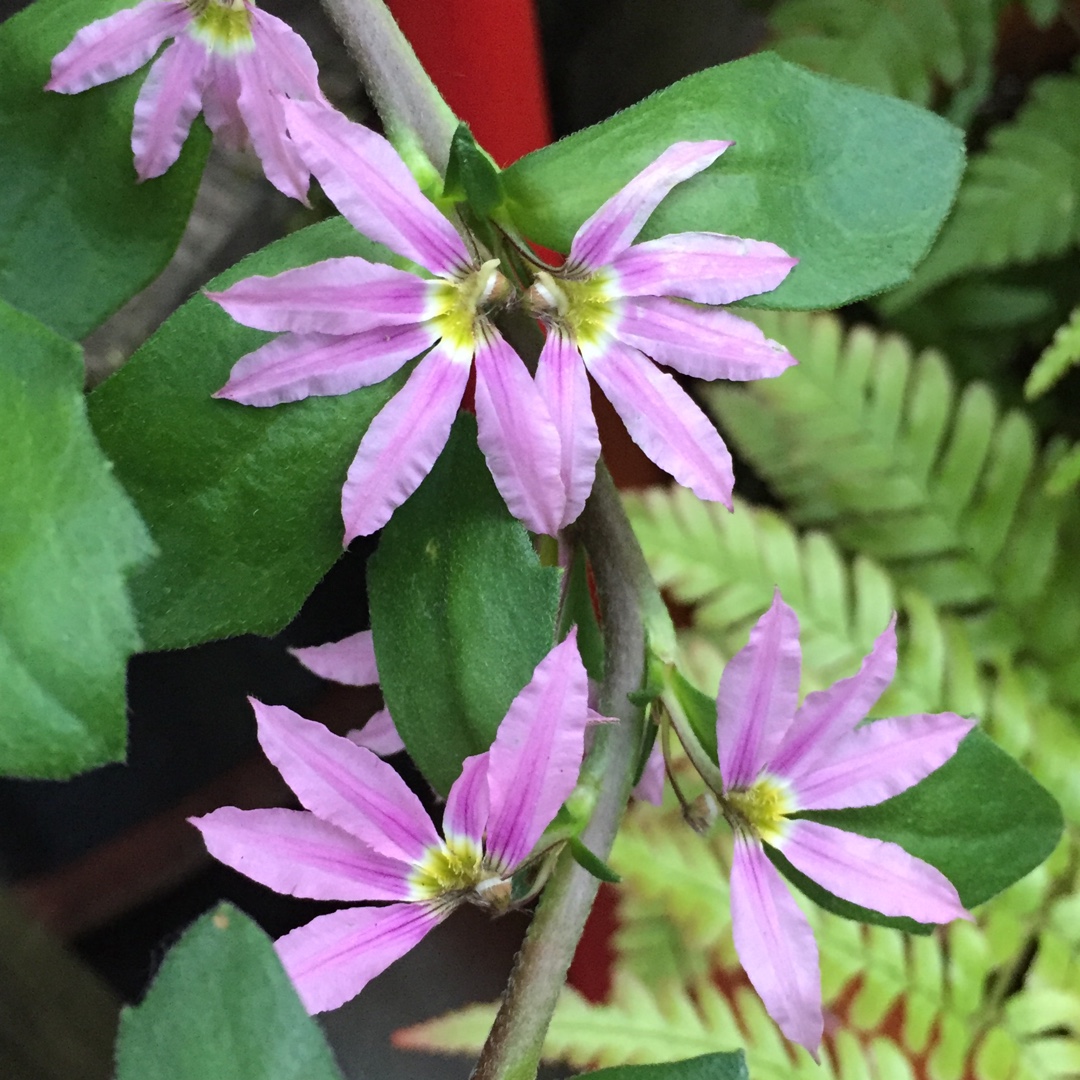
(776, 760)
(614, 304)
(350, 323)
(365, 836)
(228, 59)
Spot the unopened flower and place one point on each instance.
(614, 304)
(365, 835)
(352, 323)
(229, 60)
(776, 760)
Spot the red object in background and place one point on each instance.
(485, 59)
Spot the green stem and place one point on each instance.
(512, 1050)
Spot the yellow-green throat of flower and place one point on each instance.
(462, 301)
(761, 809)
(583, 306)
(221, 25)
(456, 870)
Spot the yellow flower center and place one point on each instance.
(454, 867)
(461, 302)
(221, 25)
(762, 808)
(584, 306)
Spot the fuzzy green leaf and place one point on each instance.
(78, 234)
(461, 610)
(221, 1006)
(472, 175)
(853, 183)
(243, 503)
(68, 537)
(707, 1067)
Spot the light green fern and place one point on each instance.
(1060, 355)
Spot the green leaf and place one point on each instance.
(222, 1007)
(461, 610)
(1056, 359)
(78, 235)
(472, 175)
(730, 1066)
(591, 862)
(981, 819)
(68, 536)
(853, 183)
(700, 710)
(577, 610)
(244, 503)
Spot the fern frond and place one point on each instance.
(1060, 355)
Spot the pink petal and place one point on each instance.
(759, 690)
(116, 46)
(613, 227)
(775, 945)
(350, 661)
(403, 441)
(536, 756)
(286, 57)
(564, 386)
(379, 735)
(872, 873)
(708, 343)
(663, 420)
(517, 436)
(466, 812)
(169, 100)
(650, 788)
(877, 761)
(367, 181)
(220, 100)
(345, 784)
(333, 957)
(295, 366)
(828, 715)
(707, 267)
(293, 852)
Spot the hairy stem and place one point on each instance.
(412, 109)
(512, 1051)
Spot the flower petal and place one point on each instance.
(536, 756)
(466, 812)
(169, 100)
(709, 268)
(379, 735)
(517, 436)
(663, 420)
(333, 957)
(775, 945)
(759, 690)
(293, 852)
(116, 46)
(350, 661)
(650, 788)
(367, 181)
(295, 366)
(286, 54)
(564, 385)
(873, 873)
(613, 227)
(345, 784)
(348, 295)
(877, 761)
(828, 715)
(403, 441)
(220, 100)
(708, 343)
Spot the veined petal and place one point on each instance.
(564, 386)
(295, 366)
(517, 436)
(350, 661)
(759, 690)
(403, 441)
(663, 420)
(169, 100)
(877, 761)
(650, 787)
(345, 784)
(367, 181)
(613, 227)
(873, 873)
(336, 296)
(294, 852)
(708, 343)
(220, 100)
(828, 715)
(775, 945)
(379, 735)
(466, 812)
(116, 46)
(333, 957)
(536, 756)
(286, 54)
(709, 268)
